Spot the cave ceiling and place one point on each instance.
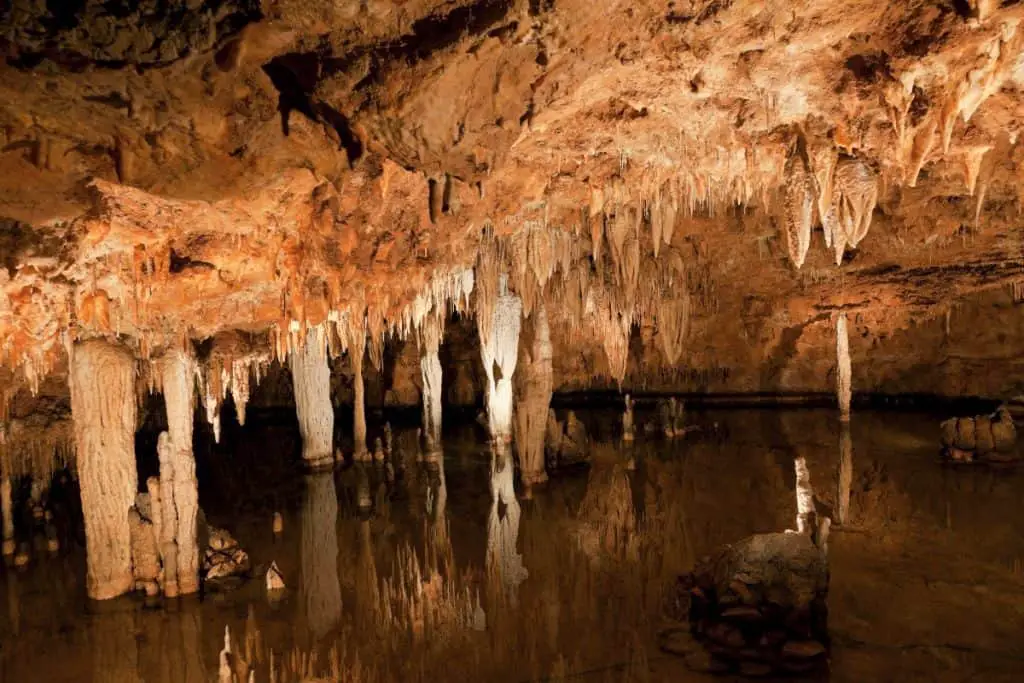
(180, 170)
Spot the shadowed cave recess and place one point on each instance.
(511, 340)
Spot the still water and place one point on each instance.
(427, 575)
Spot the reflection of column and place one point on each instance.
(845, 481)
(320, 586)
(114, 649)
(534, 383)
(439, 549)
(103, 408)
(804, 496)
(503, 558)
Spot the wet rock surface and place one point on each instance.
(980, 439)
(757, 607)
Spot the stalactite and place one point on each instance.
(430, 370)
(535, 384)
(856, 188)
(800, 199)
(179, 492)
(102, 380)
(311, 379)
(843, 372)
(320, 586)
(356, 351)
(499, 350)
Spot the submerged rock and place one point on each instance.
(760, 606)
(983, 438)
(224, 557)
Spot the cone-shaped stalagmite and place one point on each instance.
(311, 377)
(103, 406)
(320, 586)
(430, 369)
(534, 396)
(843, 371)
(499, 347)
(179, 492)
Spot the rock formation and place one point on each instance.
(844, 371)
(430, 370)
(499, 323)
(311, 379)
(533, 397)
(102, 379)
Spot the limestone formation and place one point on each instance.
(843, 369)
(311, 379)
(430, 372)
(533, 397)
(499, 349)
(179, 490)
(103, 407)
(982, 438)
(356, 351)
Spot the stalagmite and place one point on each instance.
(430, 369)
(320, 586)
(535, 386)
(103, 406)
(179, 491)
(356, 351)
(311, 377)
(499, 346)
(843, 370)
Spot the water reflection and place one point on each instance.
(386, 579)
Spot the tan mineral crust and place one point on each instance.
(692, 191)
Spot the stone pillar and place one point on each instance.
(430, 369)
(356, 351)
(320, 585)
(844, 390)
(103, 407)
(535, 386)
(499, 350)
(311, 379)
(179, 489)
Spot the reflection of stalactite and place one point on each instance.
(607, 528)
(503, 559)
(499, 347)
(804, 497)
(844, 372)
(179, 490)
(103, 408)
(430, 370)
(320, 586)
(845, 478)
(535, 386)
(311, 379)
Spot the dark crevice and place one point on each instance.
(181, 263)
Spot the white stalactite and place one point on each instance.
(311, 379)
(430, 369)
(844, 390)
(535, 387)
(179, 490)
(320, 585)
(103, 407)
(499, 350)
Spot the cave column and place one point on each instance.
(356, 351)
(311, 379)
(844, 390)
(6, 499)
(103, 407)
(179, 489)
(499, 350)
(430, 369)
(535, 388)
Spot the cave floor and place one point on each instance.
(927, 573)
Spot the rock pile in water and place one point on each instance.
(983, 438)
(759, 607)
(224, 557)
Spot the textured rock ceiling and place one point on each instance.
(181, 169)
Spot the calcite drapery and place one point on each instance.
(499, 346)
(179, 490)
(430, 370)
(103, 408)
(311, 379)
(535, 385)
